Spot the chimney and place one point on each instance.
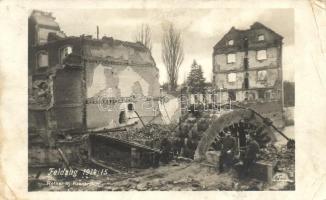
(97, 32)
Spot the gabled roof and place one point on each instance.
(258, 25)
(239, 34)
(231, 31)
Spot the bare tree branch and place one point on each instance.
(144, 36)
(172, 54)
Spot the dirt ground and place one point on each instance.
(175, 176)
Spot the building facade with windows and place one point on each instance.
(247, 68)
(79, 83)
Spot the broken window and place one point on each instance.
(130, 107)
(64, 52)
(246, 43)
(261, 37)
(232, 77)
(251, 96)
(230, 42)
(205, 98)
(231, 58)
(261, 55)
(246, 81)
(246, 63)
(213, 98)
(42, 59)
(42, 35)
(262, 75)
(232, 95)
(122, 117)
(261, 94)
(196, 98)
(268, 95)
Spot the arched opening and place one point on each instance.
(239, 122)
(238, 130)
(130, 107)
(64, 53)
(122, 117)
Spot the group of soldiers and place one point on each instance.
(184, 147)
(229, 154)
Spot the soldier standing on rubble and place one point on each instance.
(251, 154)
(229, 146)
(165, 148)
(177, 146)
(187, 147)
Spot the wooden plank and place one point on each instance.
(101, 164)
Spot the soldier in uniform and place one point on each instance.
(251, 154)
(229, 146)
(165, 148)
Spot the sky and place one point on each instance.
(201, 29)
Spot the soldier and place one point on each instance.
(165, 148)
(229, 146)
(187, 147)
(251, 154)
(155, 159)
(178, 142)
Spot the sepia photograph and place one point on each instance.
(161, 100)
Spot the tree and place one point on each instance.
(196, 80)
(144, 36)
(172, 54)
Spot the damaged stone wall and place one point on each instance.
(74, 151)
(119, 51)
(63, 87)
(111, 68)
(272, 53)
(130, 77)
(220, 62)
(69, 99)
(255, 78)
(270, 66)
(41, 93)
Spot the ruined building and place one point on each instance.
(80, 83)
(247, 68)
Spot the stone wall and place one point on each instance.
(97, 68)
(273, 55)
(69, 98)
(220, 62)
(105, 82)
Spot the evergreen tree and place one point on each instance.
(196, 80)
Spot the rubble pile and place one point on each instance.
(192, 176)
(286, 162)
(269, 153)
(282, 156)
(283, 160)
(171, 177)
(150, 135)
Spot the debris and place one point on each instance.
(101, 164)
(149, 135)
(64, 158)
(183, 159)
